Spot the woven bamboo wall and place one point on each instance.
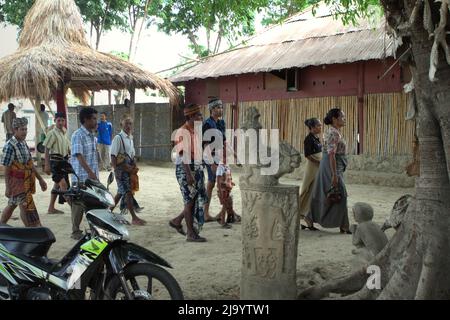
(289, 116)
(386, 131)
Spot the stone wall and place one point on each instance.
(382, 171)
(152, 129)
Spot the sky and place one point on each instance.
(157, 51)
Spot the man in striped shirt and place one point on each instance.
(57, 145)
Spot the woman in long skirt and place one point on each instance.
(330, 214)
(313, 155)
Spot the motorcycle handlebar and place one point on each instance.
(69, 193)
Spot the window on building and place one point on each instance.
(292, 79)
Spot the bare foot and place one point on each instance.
(138, 222)
(55, 211)
(211, 219)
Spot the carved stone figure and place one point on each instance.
(367, 235)
(289, 158)
(398, 212)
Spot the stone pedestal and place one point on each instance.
(270, 227)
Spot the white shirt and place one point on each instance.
(222, 170)
(118, 147)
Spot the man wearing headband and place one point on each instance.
(215, 121)
(57, 146)
(20, 177)
(7, 119)
(190, 177)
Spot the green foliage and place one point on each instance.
(122, 55)
(349, 11)
(14, 11)
(279, 10)
(229, 19)
(103, 14)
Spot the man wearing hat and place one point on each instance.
(57, 147)
(20, 177)
(190, 176)
(215, 121)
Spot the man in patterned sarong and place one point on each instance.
(20, 177)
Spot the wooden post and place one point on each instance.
(38, 123)
(133, 109)
(61, 102)
(361, 90)
(236, 116)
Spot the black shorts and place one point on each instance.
(57, 177)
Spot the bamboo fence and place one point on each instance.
(386, 133)
(289, 116)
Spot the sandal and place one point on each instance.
(312, 228)
(234, 218)
(196, 238)
(226, 225)
(344, 231)
(178, 228)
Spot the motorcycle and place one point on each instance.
(102, 265)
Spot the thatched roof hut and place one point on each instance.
(53, 52)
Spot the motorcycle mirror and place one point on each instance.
(40, 147)
(110, 179)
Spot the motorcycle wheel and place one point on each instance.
(146, 282)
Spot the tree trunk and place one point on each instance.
(147, 4)
(415, 263)
(194, 42)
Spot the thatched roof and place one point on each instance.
(302, 40)
(53, 48)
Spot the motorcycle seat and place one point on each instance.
(28, 241)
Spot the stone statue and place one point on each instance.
(398, 212)
(270, 225)
(289, 157)
(367, 235)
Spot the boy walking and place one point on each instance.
(20, 177)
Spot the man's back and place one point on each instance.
(104, 132)
(7, 118)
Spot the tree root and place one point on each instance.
(353, 286)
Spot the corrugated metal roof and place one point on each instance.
(297, 43)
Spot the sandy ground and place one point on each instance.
(211, 270)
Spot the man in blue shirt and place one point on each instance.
(105, 134)
(84, 160)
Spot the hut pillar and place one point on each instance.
(133, 110)
(361, 89)
(61, 101)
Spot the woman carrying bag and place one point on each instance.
(329, 195)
